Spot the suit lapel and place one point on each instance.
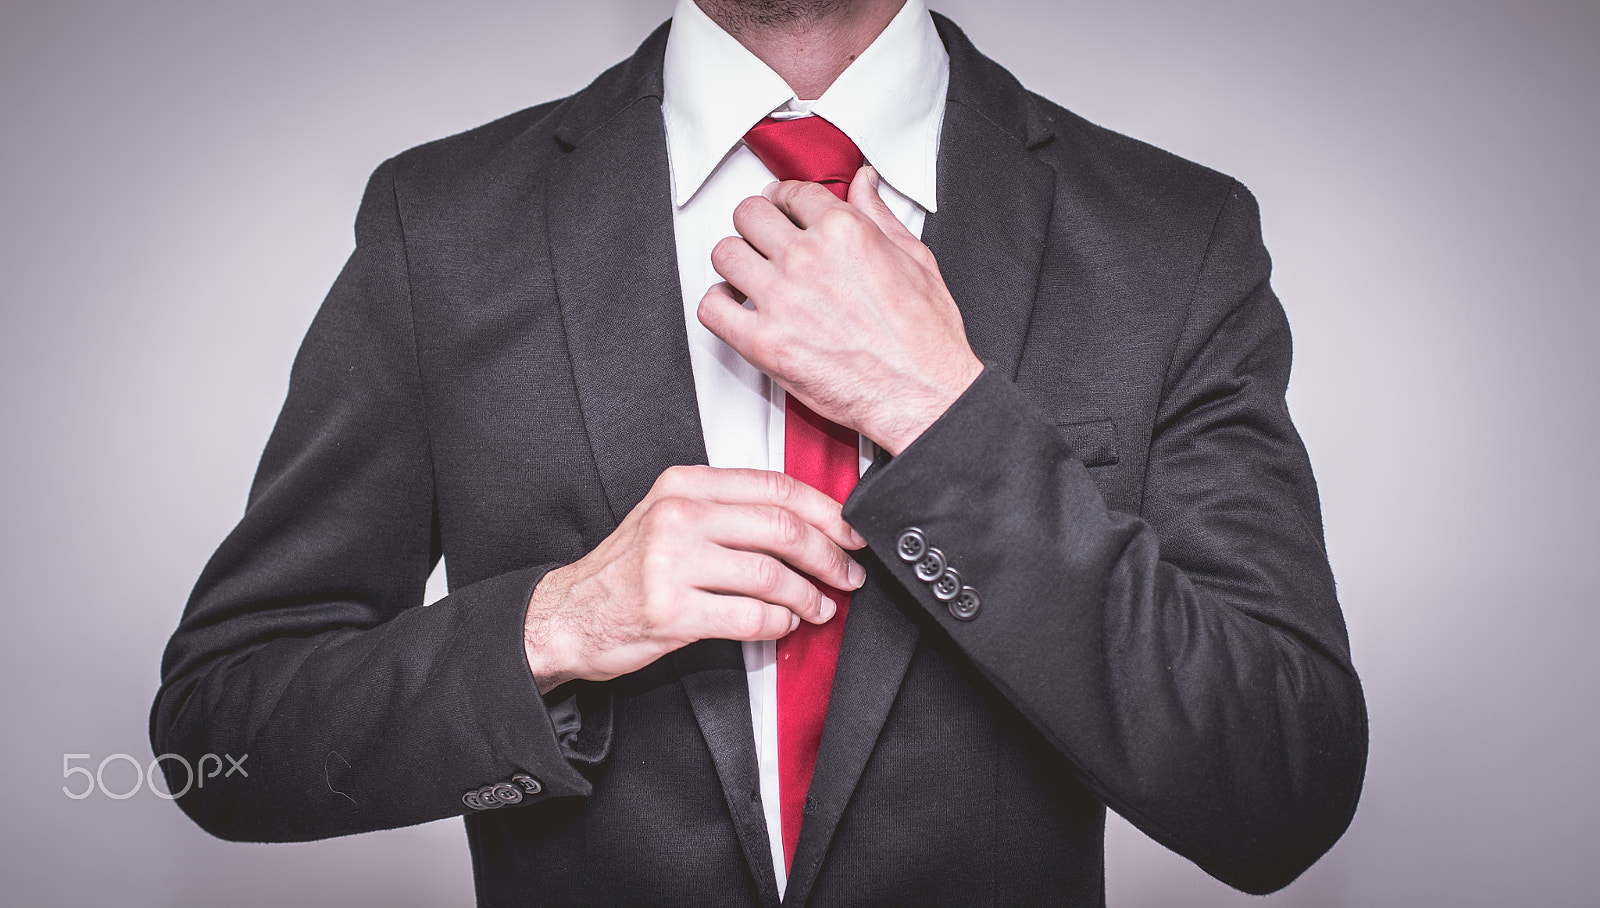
(616, 274)
(995, 202)
(878, 644)
(713, 676)
(615, 262)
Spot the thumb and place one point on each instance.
(864, 196)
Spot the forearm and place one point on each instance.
(353, 726)
(1201, 685)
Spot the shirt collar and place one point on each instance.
(890, 101)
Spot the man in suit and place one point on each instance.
(1082, 568)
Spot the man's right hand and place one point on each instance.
(708, 554)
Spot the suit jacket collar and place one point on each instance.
(614, 259)
(634, 79)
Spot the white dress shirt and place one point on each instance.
(890, 102)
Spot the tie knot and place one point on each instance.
(806, 148)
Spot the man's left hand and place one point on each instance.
(849, 311)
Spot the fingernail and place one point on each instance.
(794, 621)
(857, 575)
(828, 608)
(859, 540)
(771, 187)
(872, 176)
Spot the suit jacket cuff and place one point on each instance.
(522, 735)
(951, 486)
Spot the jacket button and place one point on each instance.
(506, 793)
(947, 586)
(966, 605)
(529, 784)
(930, 566)
(911, 545)
(473, 800)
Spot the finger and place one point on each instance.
(783, 534)
(742, 266)
(803, 203)
(865, 197)
(763, 226)
(718, 617)
(740, 486)
(723, 313)
(732, 572)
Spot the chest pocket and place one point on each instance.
(1094, 441)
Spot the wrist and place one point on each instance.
(551, 656)
(914, 414)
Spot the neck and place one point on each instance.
(806, 42)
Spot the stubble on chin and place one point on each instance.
(769, 15)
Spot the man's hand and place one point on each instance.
(850, 312)
(708, 554)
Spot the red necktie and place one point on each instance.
(823, 455)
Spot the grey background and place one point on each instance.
(177, 188)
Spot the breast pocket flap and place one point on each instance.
(1094, 442)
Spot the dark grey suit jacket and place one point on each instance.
(501, 372)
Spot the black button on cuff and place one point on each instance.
(930, 566)
(911, 545)
(501, 794)
(966, 605)
(947, 586)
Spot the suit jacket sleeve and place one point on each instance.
(305, 644)
(1190, 660)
